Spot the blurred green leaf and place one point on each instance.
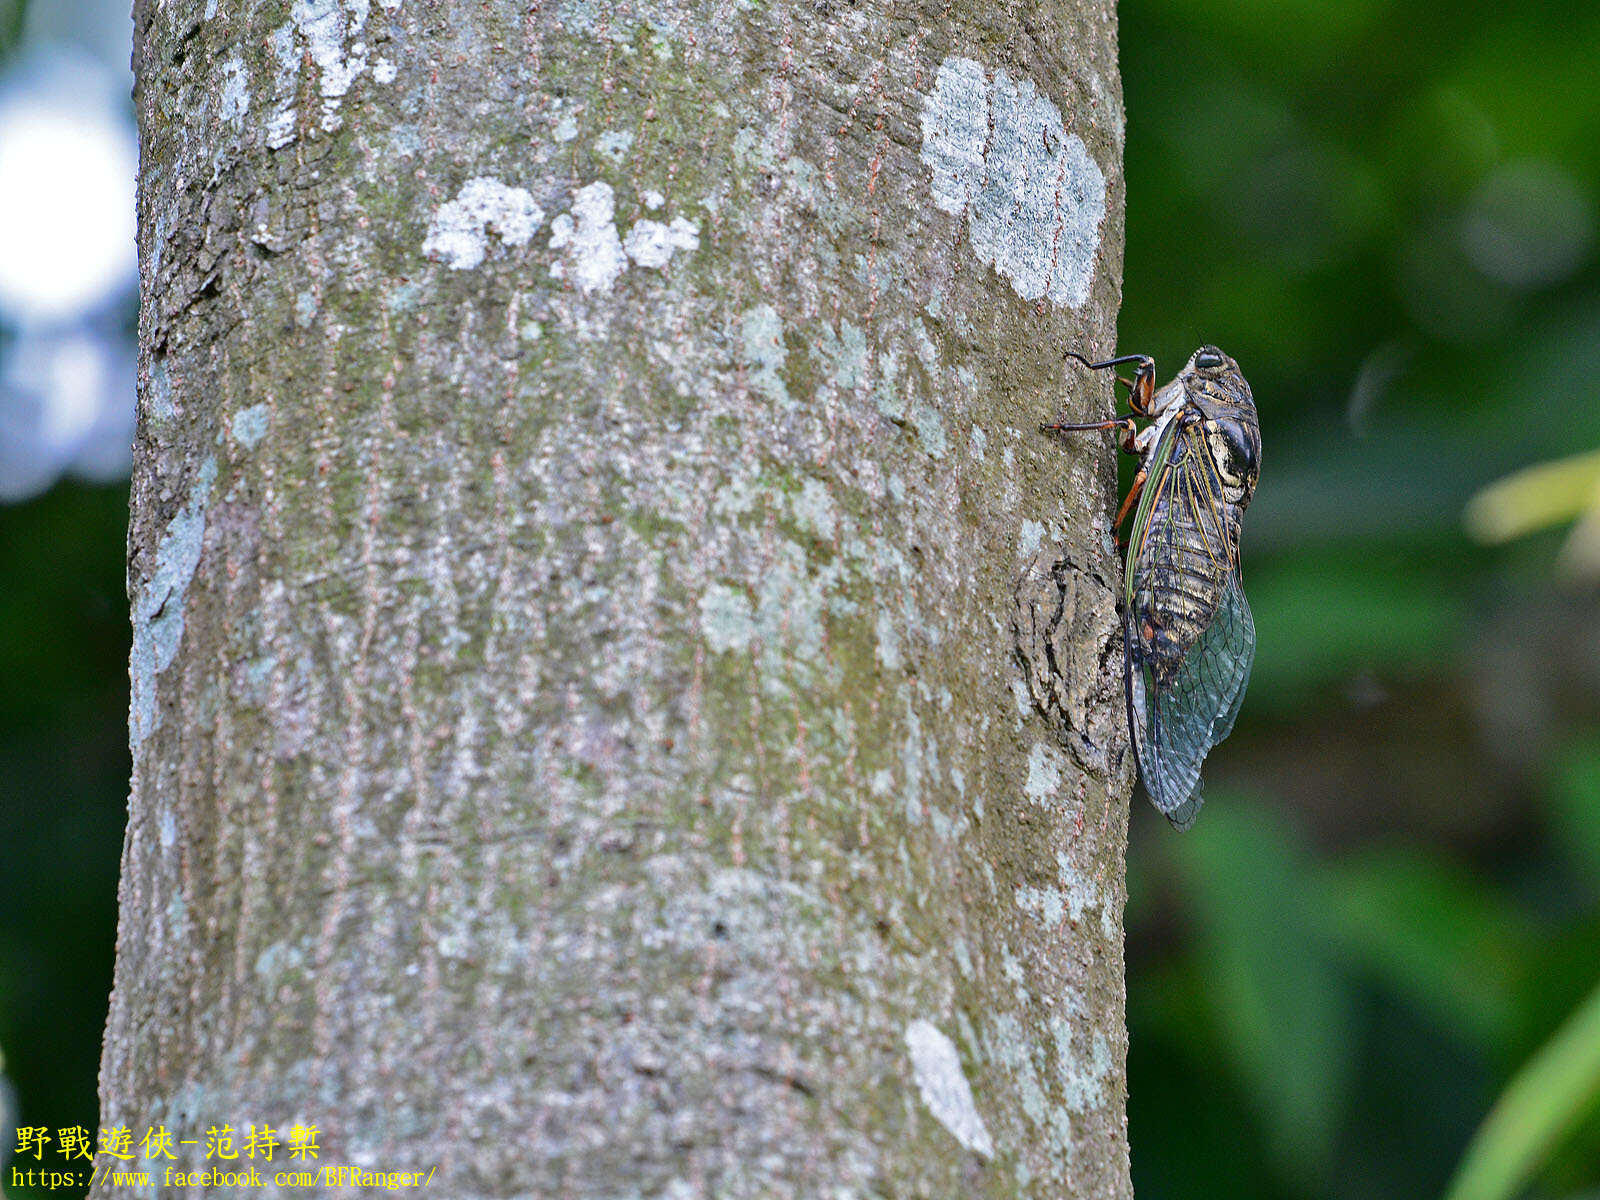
(1542, 1103)
(1433, 932)
(1282, 1006)
(1321, 619)
(1576, 802)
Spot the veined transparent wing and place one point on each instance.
(1185, 678)
(1175, 727)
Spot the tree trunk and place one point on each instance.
(624, 698)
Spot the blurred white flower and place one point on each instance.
(68, 269)
(68, 158)
(66, 404)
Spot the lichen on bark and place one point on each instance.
(598, 757)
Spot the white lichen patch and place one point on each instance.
(281, 124)
(281, 127)
(325, 26)
(328, 31)
(652, 243)
(936, 1067)
(235, 99)
(249, 426)
(1046, 903)
(1009, 1047)
(459, 232)
(1045, 764)
(1001, 159)
(589, 235)
(159, 607)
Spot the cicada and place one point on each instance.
(1188, 639)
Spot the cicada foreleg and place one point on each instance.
(1141, 396)
(1141, 388)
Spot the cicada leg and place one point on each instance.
(1129, 501)
(1128, 429)
(1141, 397)
(1129, 432)
(1141, 388)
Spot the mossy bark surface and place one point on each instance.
(625, 699)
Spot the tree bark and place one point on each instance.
(624, 698)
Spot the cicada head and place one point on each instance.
(1213, 384)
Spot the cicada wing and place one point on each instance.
(1235, 631)
(1174, 727)
(1169, 765)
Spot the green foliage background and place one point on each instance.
(1386, 212)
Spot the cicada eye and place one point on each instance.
(1207, 360)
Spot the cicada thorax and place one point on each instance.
(1226, 413)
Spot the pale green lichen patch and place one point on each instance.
(814, 509)
(614, 145)
(249, 425)
(764, 354)
(930, 429)
(791, 601)
(889, 652)
(158, 610)
(845, 353)
(158, 396)
(1083, 893)
(1083, 1077)
(726, 619)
